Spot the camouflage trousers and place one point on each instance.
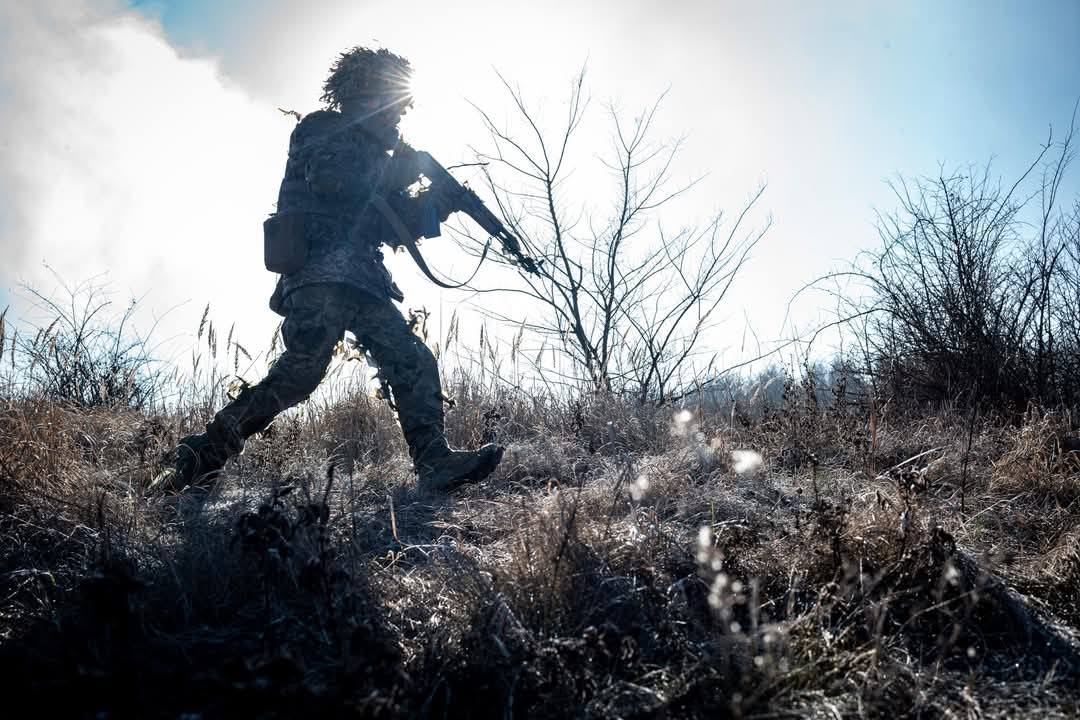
(316, 318)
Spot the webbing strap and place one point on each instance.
(405, 238)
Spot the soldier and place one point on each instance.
(339, 161)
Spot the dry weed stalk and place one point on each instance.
(622, 560)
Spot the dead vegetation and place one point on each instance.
(623, 562)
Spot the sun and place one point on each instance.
(420, 85)
(439, 117)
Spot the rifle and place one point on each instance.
(468, 202)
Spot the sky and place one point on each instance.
(144, 146)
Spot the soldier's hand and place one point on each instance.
(447, 200)
(404, 166)
(444, 205)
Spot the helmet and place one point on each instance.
(362, 72)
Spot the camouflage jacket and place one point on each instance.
(333, 169)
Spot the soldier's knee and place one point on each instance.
(310, 336)
(415, 362)
(422, 356)
(306, 382)
(402, 358)
(295, 375)
(407, 366)
(315, 320)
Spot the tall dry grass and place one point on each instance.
(783, 557)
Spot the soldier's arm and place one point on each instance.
(421, 212)
(413, 216)
(401, 171)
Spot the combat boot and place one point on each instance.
(197, 462)
(441, 469)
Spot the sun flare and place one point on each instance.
(435, 116)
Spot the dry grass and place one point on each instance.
(616, 565)
(788, 556)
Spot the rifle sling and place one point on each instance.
(405, 238)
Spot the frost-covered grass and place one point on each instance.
(624, 561)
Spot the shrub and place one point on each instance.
(971, 293)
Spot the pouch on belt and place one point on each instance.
(285, 242)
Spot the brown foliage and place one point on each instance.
(618, 563)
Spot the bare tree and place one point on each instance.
(625, 297)
(1066, 299)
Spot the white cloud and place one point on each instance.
(124, 159)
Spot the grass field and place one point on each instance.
(762, 560)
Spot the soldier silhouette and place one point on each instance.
(325, 240)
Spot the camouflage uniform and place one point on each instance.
(333, 168)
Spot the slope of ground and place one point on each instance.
(625, 561)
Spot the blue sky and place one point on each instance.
(202, 25)
(879, 88)
(823, 101)
(978, 74)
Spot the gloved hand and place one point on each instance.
(444, 201)
(404, 168)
